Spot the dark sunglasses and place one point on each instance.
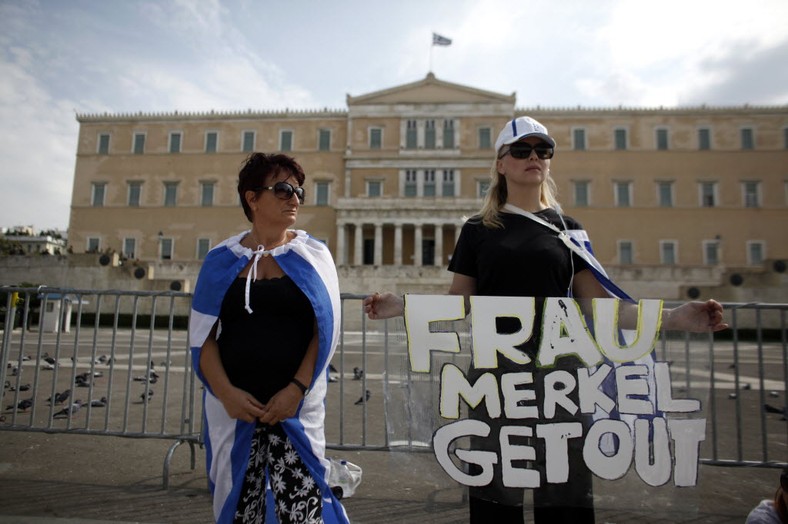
(285, 191)
(523, 150)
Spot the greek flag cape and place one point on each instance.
(308, 262)
(578, 242)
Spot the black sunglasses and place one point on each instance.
(285, 191)
(543, 150)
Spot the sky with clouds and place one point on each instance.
(59, 58)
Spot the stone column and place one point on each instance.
(341, 250)
(397, 244)
(438, 244)
(378, 245)
(417, 245)
(358, 255)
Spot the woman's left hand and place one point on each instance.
(282, 405)
(697, 317)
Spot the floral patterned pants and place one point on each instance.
(296, 495)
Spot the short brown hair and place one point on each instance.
(258, 167)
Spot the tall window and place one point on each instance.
(704, 138)
(203, 246)
(582, 193)
(247, 144)
(429, 183)
(321, 193)
(93, 245)
(747, 138)
(374, 188)
(711, 252)
(103, 144)
(375, 137)
(620, 138)
(708, 194)
(625, 255)
(485, 138)
(756, 252)
(175, 142)
(411, 135)
(623, 190)
(482, 187)
(410, 183)
(170, 194)
(448, 134)
(579, 139)
(668, 252)
(752, 193)
(429, 134)
(206, 193)
(135, 193)
(665, 193)
(165, 248)
(286, 140)
(139, 143)
(129, 247)
(98, 192)
(448, 183)
(662, 139)
(324, 139)
(211, 141)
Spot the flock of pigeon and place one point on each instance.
(82, 380)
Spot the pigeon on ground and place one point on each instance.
(100, 403)
(68, 410)
(62, 397)
(145, 398)
(23, 405)
(48, 359)
(363, 400)
(22, 387)
(771, 409)
(358, 373)
(332, 369)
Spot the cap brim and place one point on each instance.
(546, 138)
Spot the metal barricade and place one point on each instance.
(117, 363)
(100, 363)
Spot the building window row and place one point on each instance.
(166, 247)
(211, 141)
(662, 138)
(708, 193)
(171, 193)
(710, 250)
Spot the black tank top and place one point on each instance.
(261, 351)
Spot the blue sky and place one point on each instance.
(60, 58)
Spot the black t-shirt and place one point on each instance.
(261, 351)
(523, 258)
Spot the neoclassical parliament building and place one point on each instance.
(674, 199)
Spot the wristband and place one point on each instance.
(299, 385)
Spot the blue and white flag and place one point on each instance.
(308, 262)
(440, 40)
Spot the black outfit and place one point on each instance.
(524, 258)
(261, 351)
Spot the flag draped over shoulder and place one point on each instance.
(440, 40)
(309, 264)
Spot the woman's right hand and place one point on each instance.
(241, 405)
(378, 306)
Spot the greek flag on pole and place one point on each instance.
(440, 40)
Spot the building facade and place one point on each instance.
(671, 197)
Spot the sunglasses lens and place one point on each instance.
(520, 150)
(285, 191)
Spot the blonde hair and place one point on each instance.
(496, 196)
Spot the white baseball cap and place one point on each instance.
(519, 128)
